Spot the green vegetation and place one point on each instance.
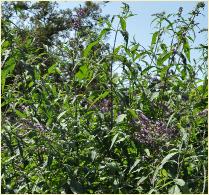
(72, 124)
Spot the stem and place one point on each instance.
(76, 108)
(155, 50)
(205, 178)
(111, 75)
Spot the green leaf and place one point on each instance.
(163, 58)
(52, 69)
(31, 84)
(186, 49)
(133, 113)
(134, 165)
(10, 159)
(20, 114)
(79, 75)
(89, 47)
(179, 182)
(174, 190)
(61, 114)
(101, 96)
(171, 117)
(123, 23)
(82, 73)
(134, 48)
(163, 47)
(155, 95)
(9, 65)
(154, 37)
(142, 179)
(84, 69)
(93, 155)
(76, 187)
(113, 140)
(164, 172)
(165, 160)
(147, 152)
(49, 160)
(3, 79)
(121, 118)
(117, 49)
(126, 37)
(104, 32)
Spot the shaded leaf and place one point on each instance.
(179, 182)
(165, 160)
(174, 190)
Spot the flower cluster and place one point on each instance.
(203, 113)
(76, 23)
(200, 5)
(180, 11)
(37, 126)
(151, 133)
(105, 105)
(77, 20)
(81, 12)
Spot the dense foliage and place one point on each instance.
(82, 116)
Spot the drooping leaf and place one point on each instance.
(179, 182)
(123, 23)
(126, 37)
(154, 37)
(155, 95)
(165, 160)
(61, 114)
(133, 113)
(163, 47)
(147, 152)
(76, 187)
(52, 69)
(104, 32)
(121, 118)
(93, 155)
(79, 75)
(142, 179)
(101, 96)
(134, 165)
(113, 140)
(163, 58)
(20, 114)
(88, 48)
(170, 119)
(186, 49)
(174, 190)
(3, 79)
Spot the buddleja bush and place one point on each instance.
(79, 127)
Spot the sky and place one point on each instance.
(139, 25)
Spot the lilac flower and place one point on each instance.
(81, 12)
(151, 132)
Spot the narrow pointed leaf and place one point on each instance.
(134, 165)
(113, 140)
